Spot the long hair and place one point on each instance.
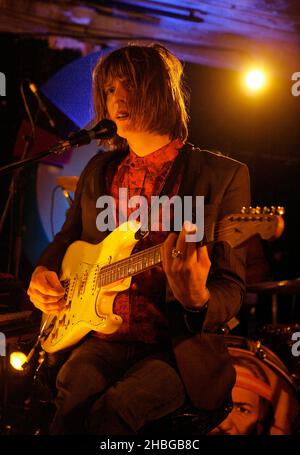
(157, 97)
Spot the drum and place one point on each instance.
(275, 382)
(278, 337)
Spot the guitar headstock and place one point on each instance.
(237, 228)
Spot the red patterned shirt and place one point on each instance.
(141, 306)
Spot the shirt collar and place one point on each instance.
(156, 159)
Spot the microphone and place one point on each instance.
(105, 129)
(42, 106)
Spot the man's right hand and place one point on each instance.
(45, 291)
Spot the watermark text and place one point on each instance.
(2, 344)
(164, 211)
(2, 84)
(296, 86)
(296, 346)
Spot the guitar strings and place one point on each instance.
(217, 232)
(108, 273)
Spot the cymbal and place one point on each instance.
(279, 287)
(67, 182)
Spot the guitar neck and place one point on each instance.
(136, 263)
(234, 229)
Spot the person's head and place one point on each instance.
(144, 84)
(252, 408)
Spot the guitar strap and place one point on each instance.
(188, 174)
(176, 169)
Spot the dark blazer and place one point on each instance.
(202, 358)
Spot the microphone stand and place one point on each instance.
(13, 193)
(18, 181)
(57, 149)
(15, 182)
(104, 129)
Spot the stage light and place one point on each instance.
(255, 80)
(17, 360)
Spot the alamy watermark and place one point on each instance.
(2, 344)
(296, 86)
(163, 210)
(296, 346)
(2, 84)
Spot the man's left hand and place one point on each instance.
(187, 273)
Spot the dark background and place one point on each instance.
(261, 131)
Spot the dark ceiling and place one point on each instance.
(223, 33)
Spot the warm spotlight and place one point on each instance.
(17, 360)
(255, 80)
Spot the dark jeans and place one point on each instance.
(113, 388)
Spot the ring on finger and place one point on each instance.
(176, 254)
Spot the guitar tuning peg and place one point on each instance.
(244, 210)
(252, 210)
(266, 210)
(280, 210)
(257, 210)
(273, 210)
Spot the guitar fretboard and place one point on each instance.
(234, 229)
(136, 263)
(144, 260)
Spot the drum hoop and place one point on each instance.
(254, 348)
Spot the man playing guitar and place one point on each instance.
(169, 347)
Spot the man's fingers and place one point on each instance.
(170, 241)
(202, 256)
(166, 249)
(49, 307)
(54, 282)
(190, 253)
(188, 249)
(46, 290)
(47, 286)
(41, 297)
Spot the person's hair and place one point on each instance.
(158, 96)
(266, 414)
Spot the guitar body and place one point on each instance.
(94, 274)
(89, 306)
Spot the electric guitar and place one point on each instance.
(94, 274)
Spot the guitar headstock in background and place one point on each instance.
(237, 228)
